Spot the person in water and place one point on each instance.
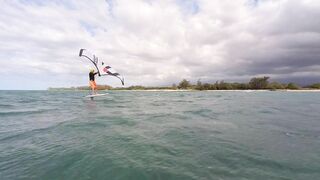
(92, 81)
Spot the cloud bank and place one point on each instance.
(158, 42)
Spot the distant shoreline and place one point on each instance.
(234, 90)
(193, 90)
(255, 84)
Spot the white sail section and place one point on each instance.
(102, 68)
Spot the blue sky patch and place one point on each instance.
(89, 28)
(64, 3)
(188, 6)
(253, 2)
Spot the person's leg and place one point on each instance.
(95, 87)
(92, 87)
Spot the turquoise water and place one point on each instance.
(159, 135)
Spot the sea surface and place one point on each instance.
(140, 135)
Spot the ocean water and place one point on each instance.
(138, 135)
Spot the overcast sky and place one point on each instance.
(158, 42)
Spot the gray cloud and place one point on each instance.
(160, 42)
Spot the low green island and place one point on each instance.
(256, 83)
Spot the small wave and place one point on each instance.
(158, 104)
(24, 112)
(184, 101)
(296, 134)
(25, 134)
(28, 101)
(86, 125)
(207, 113)
(6, 105)
(166, 116)
(266, 112)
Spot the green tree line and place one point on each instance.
(255, 83)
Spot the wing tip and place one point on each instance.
(81, 52)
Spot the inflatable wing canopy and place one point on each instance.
(101, 67)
